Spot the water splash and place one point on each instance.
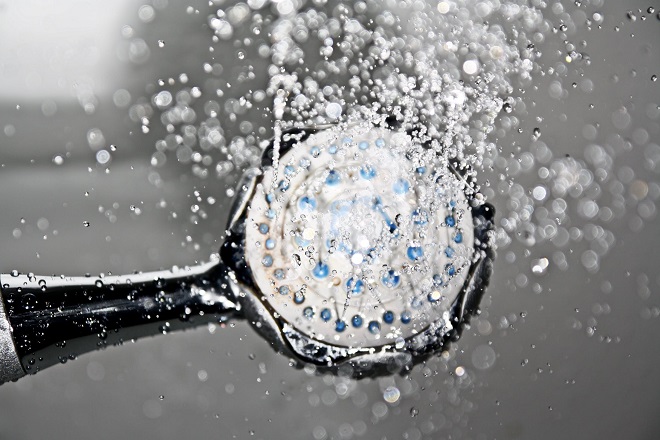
(458, 74)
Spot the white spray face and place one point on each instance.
(349, 243)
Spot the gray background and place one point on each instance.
(551, 377)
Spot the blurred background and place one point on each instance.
(566, 344)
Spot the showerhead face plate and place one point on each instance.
(356, 245)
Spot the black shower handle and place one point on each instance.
(49, 320)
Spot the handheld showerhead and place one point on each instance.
(351, 246)
(356, 250)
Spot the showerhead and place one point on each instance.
(356, 249)
(353, 247)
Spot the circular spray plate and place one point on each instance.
(353, 243)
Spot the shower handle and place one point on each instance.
(50, 320)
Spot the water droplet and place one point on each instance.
(391, 394)
(103, 157)
(483, 357)
(540, 266)
(471, 67)
(333, 110)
